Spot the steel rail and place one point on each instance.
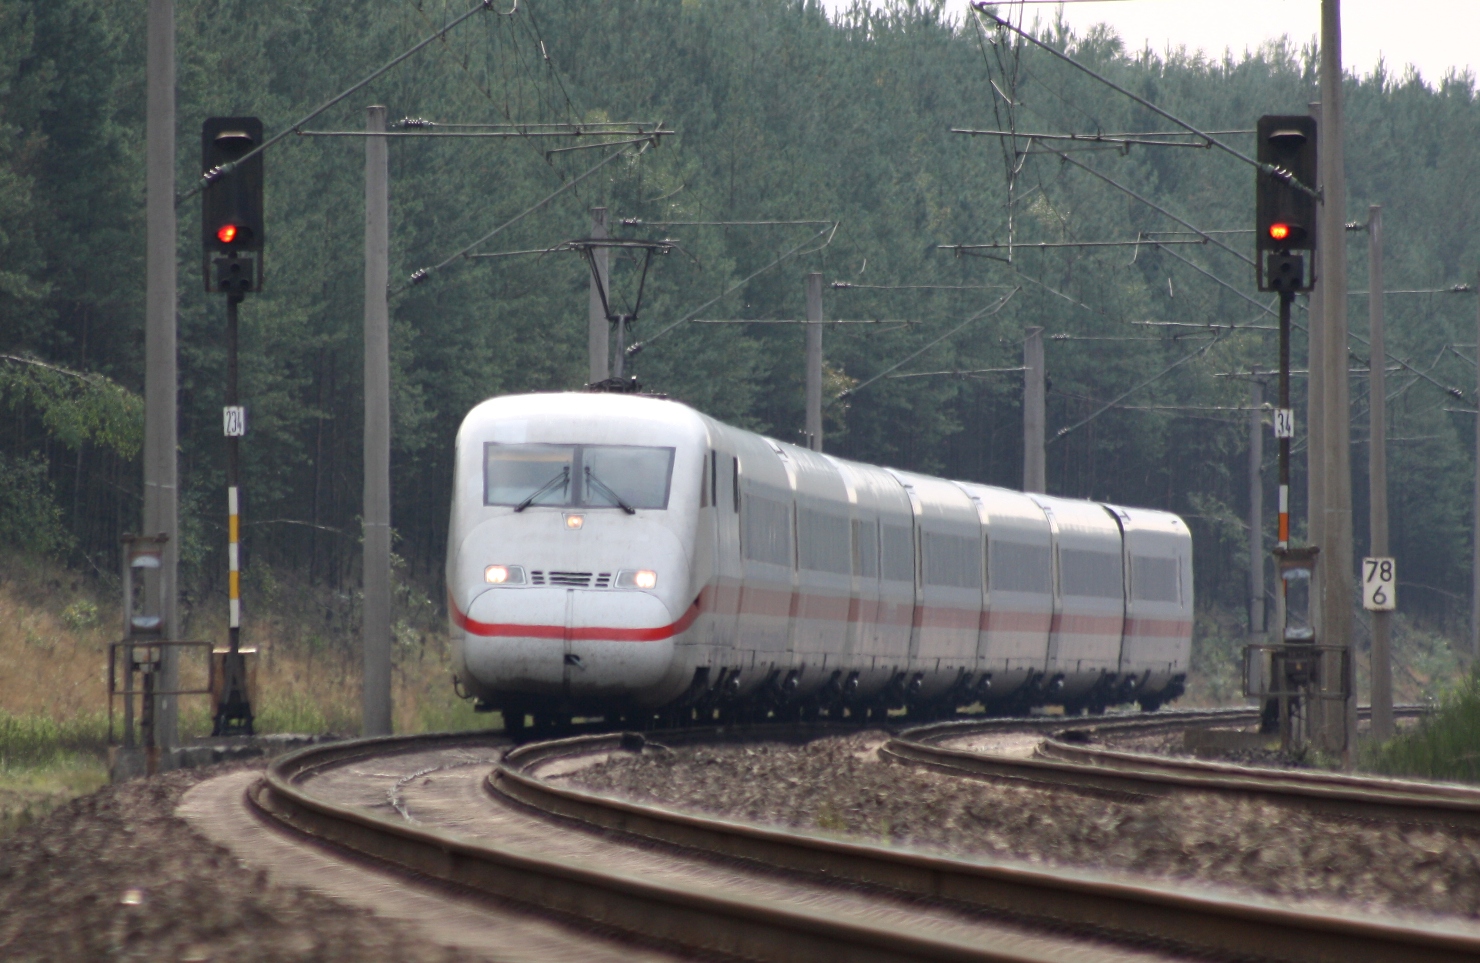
(1062, 763)
(1241, 926)
(689, 917)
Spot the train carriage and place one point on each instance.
(618, 554)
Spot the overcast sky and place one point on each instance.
(1432, 35)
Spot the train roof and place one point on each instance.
(500, 418)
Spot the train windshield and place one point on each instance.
(589, 476)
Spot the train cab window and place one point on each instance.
(593, 476)
(537, 474)
(615, 475)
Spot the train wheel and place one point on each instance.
(514, 723)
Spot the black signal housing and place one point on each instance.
(231, 204)
(1285, 214)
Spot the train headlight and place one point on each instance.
(504, 575)
(643, 578)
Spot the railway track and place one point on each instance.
(414, 804)
(801, 914)
(1071, 760)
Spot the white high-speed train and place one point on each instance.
(627, 556)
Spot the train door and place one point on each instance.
(728, 568)
(767, 551)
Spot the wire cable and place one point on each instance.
(1270, 169)
(635, 347)
(985, 312)
(421, 274)
(1126, 394)
(210, 176)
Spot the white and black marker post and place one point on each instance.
(234, 709)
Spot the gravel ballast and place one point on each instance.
(839, 786)
(117, 876)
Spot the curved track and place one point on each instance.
(1076, 763)
(767, 894)
(417, 804)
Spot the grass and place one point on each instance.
(30, 791)
(55, 627)
(1444, 746)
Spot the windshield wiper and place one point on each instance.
(563, 477)
(593, 480)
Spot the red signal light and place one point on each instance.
(1278, 231)
(227, 233)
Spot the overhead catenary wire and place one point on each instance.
(207, 178)
(1353, 336)
(635, 221)
(421, 274)
(985, 312)
(830, 230)
(851, 285)
(970, 372)
(1126, 394)
(1270, 169)
(640, 135)
(1089, 137)
(1153, 205)
(798, 321)
(1030, 245)
(1120, 142)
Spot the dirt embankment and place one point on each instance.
(839, 786)
(117, 876)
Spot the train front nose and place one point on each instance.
(581, 645)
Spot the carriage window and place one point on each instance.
(899, 553)
(1018, 567)
(768, 530)
(594, 476)
(1094, 574)
(1154, 579)
(952, 560)
(822, 540)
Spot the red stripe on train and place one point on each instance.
(576, 633)
(782, 604)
